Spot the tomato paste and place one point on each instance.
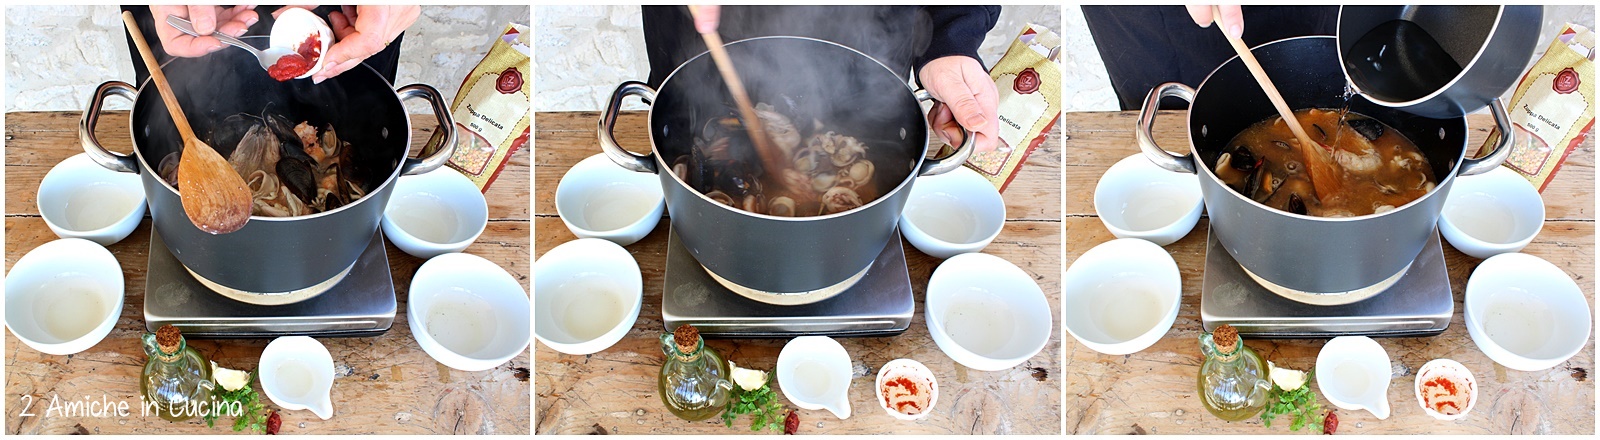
(903, 394)
(298, 63)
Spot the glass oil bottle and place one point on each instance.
(694, 379)
(175, 380)
(1233, 381)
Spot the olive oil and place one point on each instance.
(1233, 378)
(694, 381)
(176, 381)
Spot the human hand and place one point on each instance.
(706, 17)
(361, 32)
(1232, 18)
(966, 99)
(233, 21)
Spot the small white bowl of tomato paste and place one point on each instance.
(306, 37)
(906, 389)
(1446, 389)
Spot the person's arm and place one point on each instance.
(957, 30)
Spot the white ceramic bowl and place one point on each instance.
(1526, 313)
(985, 312)
(1137, 199)
(80, 199)
(297, 373)
(1453, 370)
(64, 296)
(1121, 296)
(598, 199)
(292, 27)
(587, 293)
(1492, 213)
(468, 313)
(917, 373)
(952, 213)
(435, 213)
(814, 372)
(1353, 373)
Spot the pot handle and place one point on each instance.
(949, 163)
(1147, 118)
(446, 128)
(1502, 149)
(111, 160)
(640, 163)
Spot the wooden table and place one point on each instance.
(1153, 391)
(614, 391)
(384, 384)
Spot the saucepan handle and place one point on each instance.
(642, 163)
(1502, 149)
(1147, 118)
(954, 160)
(447, 128)
(111, 160)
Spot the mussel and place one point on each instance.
(1369, 128)
(1296, 205)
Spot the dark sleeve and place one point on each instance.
(957, 30)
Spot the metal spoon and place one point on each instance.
(267, 57)
(214, 197)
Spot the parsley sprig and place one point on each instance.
(252, 416)
(762, 403)
(1300, 403)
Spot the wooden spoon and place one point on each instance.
(214, 196)
(771, 157)
(1324, 175)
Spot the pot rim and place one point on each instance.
(146, 168)
(1499, 18)
(662, 167)
(1200, 164)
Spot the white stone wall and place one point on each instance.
(56, 55)
(583, 52)
(1089, 89)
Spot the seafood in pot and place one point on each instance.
(291, 170)
(826, 172)
(1381, 170)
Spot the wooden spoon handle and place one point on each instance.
(1272, 90)
(771, 158)
(158, 77)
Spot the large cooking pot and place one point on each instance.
(786, 260)
(271, 260)
(1310, 259)
(1491, 43)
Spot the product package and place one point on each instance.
(1552, 108)
(492, 109)
(1028, 78)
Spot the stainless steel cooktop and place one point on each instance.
(881, 304)
(362, 304)
(1420, 304)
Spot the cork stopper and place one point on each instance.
(687, 338)
(168, 338)
(1226, 337)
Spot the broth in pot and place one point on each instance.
(1381, 170)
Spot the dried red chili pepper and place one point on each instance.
(791, 423)
(274, 422)
(1330, 423)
